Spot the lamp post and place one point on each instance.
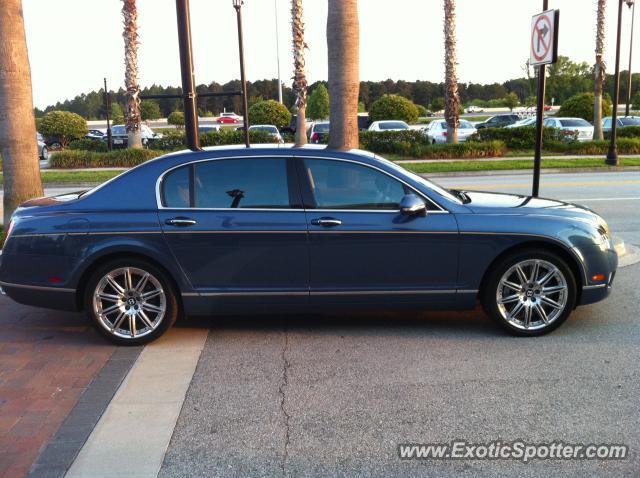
(612, 154)
(275, 6)
(632, 6)
(107, 109)
(237, 4)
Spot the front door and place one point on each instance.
(237, 229)
(362, 249)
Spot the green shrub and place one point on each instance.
(393, 107)
(269, 112)
(422, 111)
(625, 132)
(405, 143)
(581, 106)
(467, 150)
(63, 126)
(176, 118)
(523, 137)
(597, 148)
(87, 144)
(176, 141)
(122, 158)
(318, 103)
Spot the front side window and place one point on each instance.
(259, 183)
(345, 185)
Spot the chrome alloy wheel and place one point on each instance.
(532, 294)
(129, 302)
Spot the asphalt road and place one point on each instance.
(334, 396)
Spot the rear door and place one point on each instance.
(237, 228)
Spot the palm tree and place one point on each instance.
(343, 48)
(130, 35)
(17, 124)
(599, 71)
(452, 99)
(299, 76)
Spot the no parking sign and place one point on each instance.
(544, 37)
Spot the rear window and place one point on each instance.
(466, 125)
(259, 183)
(321, 128)
(393, 125)
(574, 123)
(268, 129)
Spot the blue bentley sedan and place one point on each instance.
(281, 229)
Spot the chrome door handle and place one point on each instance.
(181, 221)
(326, 222)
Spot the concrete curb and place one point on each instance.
(629, 257)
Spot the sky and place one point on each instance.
(74, 44)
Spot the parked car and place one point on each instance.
(43, 150)
(267, 229)
(437, 131)
(96, 134)
(318, 131)
(523, 122)
(389, 125)
(230, 118)
(498, 121)
(622, 122)
(475, 109)
(293, 125)
(581, 126)
(209, 128)
(268, 128)
(120, 138)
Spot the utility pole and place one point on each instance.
(275, 5)
(107, 109)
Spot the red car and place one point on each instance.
(547, 108)
(229, 118)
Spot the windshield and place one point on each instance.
(575, 123)
(393, 125)
(630, 121)
(466, 125)
(321, 127)
(120, 129)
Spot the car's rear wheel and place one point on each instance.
(131, 302)
(45, 154)
(530, 292)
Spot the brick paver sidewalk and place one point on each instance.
(47, 359)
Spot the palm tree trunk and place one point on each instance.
(130, 35)
(599, 71)
(452, 99)
(343, 45)
(299, 76)
(17, 124)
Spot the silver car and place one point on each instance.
(437, 131)
(43, 151)
(579, 125)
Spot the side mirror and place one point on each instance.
(412, 205)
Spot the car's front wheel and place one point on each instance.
(45, 154)
(131, 302)
(530, 292)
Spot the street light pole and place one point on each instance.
(612, 154)
(237, 4)
(275, 5)
(107, 108)
(633, 15)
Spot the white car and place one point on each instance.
(475, 109)
(523, 122)
(389, 125)
(437, 131)
(583, 127)
(268, 128)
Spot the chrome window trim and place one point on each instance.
(161, 207)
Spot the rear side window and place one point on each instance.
(344, 185)
(229, 183)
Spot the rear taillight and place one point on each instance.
(315, 137)
(445, 134)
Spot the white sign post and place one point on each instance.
(543, 51)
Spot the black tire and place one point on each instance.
(490, 293)
(169, 298)
(45, 154)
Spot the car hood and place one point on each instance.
(495, 203)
